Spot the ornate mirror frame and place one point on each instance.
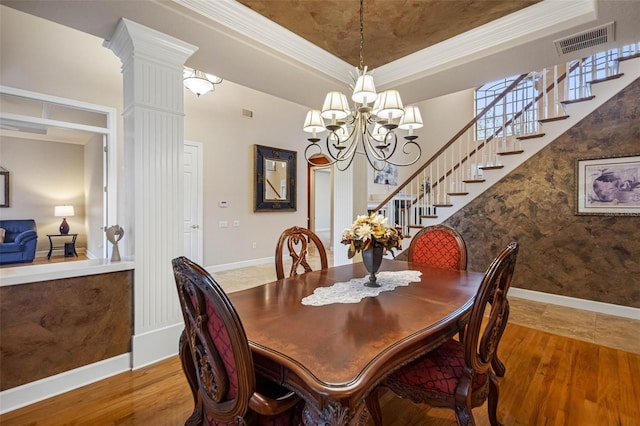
(275, 179)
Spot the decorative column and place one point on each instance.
(350, 190)
(152, 205)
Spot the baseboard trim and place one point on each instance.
(156, 345)
(572, 302)
(236, 265)
(30, 393)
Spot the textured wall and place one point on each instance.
(588, 257)
(50, 327)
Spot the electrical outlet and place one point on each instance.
(254, 245)
(236, 223)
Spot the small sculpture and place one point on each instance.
(112, 232)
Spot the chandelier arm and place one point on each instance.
(404, 149)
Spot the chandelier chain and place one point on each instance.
(361, 34)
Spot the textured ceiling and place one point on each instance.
(392, 28)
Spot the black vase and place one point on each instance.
(64, 227)
(372, 259)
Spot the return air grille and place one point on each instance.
(584, 40)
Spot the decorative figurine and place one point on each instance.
(113, 232)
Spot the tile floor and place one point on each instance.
(606, 330)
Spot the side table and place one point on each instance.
(71, 245)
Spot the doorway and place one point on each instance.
(321, 204)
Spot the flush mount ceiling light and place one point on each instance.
(370, 126)
(200, 82)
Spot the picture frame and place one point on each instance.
(4, 189)
(275, 179)
(608, 186)
(386, 176)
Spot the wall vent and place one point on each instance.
(247, 113)
(590, 38)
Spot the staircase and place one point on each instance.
(526, 116)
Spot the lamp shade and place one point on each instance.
(199, 82)
(313, 122)
(63, 211)
(412, 119)
(364, 90)
(389, 105)
(335, 106)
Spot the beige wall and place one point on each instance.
(228, 137)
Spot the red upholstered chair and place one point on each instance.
(304, 247)
(217, 360)
(459, 375)
(440, 246)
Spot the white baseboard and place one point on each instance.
(236, 265)
(572, 302)
(30, 393)
(156, 345)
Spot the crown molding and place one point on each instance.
(268, 35)
(534, 22)
(537, 21)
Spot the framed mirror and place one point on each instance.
(275, 179)
(4, 188)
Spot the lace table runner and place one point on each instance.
(355, 290)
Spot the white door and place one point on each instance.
(193, 201)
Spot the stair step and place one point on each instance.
(473, 180)
(531, 136)
(415, 226)
(428, 216)
(575, 101)
(490, 167)
(602, 80)
(457, 193)
(550, 119)
(442, 205)
(519, 151)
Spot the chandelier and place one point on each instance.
(370, 123)
(200, 82)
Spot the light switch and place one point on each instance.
(223, 224)
(236, 223)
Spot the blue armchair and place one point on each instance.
(20, 240)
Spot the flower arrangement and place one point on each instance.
(371, 231)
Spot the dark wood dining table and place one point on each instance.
(334, 355)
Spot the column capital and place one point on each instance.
(133, 39)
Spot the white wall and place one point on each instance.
(93, 187)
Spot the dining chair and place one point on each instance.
(439, 246)
(458, 374)
(217, 361)
(444, 247)
(302, 244)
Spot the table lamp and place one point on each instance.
(64, 212)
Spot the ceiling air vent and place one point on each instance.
(586, 39)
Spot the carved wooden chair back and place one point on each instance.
(305, 248)
(217, 361)
(469, 380)
(440, 246)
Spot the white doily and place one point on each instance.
(355, 290)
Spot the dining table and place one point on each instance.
(331, 339)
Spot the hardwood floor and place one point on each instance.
(550, 380)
